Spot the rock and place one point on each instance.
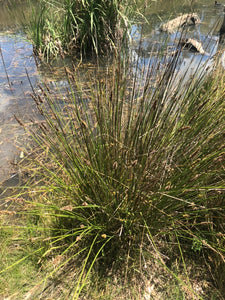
(192, 45)
(184, 20)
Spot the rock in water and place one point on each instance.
(184, 20)
(192, 45)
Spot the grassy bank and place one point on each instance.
(123, 193)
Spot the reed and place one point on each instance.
(82, 28)
(129, 170)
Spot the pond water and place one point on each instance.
(14, 93)
(17, 61)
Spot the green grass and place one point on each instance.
(81, 28)
(126, 180)
(42, 26)
(17, 257)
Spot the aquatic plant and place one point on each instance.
(126, 171)
(93, 24)
(43, 28)
(81, 27)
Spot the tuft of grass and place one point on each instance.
(42, 26)
(78, 27)
(126, 171)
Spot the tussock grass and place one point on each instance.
(127, 176)
(80, 27)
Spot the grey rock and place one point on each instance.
(184, 20)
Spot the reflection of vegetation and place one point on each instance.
(125, 178)
(83, 26)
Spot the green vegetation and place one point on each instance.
(16, 249)
(79, 27)
(126, 178)
(122, 193)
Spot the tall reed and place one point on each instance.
(128, 167)
(78, 27)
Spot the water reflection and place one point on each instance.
(15, 88)
(154, 42)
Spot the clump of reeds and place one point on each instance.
(128, 167)
(78, 27)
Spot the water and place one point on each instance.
(18, 60)
(206, 32)
(14, 94)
